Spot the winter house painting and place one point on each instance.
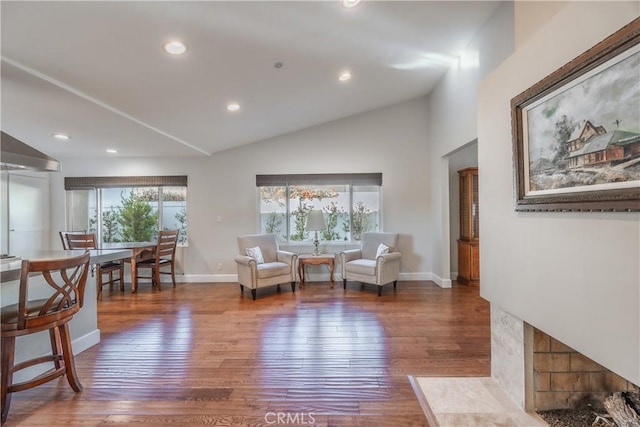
(594, 146)
(587, 134)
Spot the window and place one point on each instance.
(127, 209)
(350, 204)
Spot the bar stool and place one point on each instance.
(66, 278)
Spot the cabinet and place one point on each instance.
(469, 242)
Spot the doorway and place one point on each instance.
(464, 157)
(27, 208)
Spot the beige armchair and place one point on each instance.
(367, 266)
(267, 267)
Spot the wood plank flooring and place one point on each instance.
(201, 354)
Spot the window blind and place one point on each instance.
(90, 182)
(319, 179)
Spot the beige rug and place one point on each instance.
(469, 402)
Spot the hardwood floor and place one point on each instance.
(201, 354)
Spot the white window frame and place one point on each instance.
(310, 180)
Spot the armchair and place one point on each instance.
(368, 266)
(267, 267)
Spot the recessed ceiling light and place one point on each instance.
(112, 151)
(344, 76)
(175, 47)
(350, 3)
(61, 136)
(234, 106)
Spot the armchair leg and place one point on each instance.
(278, 287)
(241, 289)
(254, 293)
(379, 291)
(293, 287)
(344, 284)
(395, 282)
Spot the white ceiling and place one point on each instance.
(97, 71)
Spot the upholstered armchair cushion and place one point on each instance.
(273, 269)
(371, 241)
(256, 254)
(266, 242)
(368, 266)
(278, 266)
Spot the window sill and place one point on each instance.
(306, 246)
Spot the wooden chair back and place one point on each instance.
(167, 242)
(81, 241)
(164, 257)
(63, 237)
(67, 278)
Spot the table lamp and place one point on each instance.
(315, 222)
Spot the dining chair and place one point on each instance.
(164, 256)
(88, 241)
(63, 237)
(66, 279)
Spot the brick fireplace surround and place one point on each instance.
(539, 372)
(564, 378)
(530, 371)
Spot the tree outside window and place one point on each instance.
(348, 214)
(135, 214)
(138, 220)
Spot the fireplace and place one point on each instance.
(539, 372)
(566, 379)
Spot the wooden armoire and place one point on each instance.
(469, 242)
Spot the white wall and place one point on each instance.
(530, 16)
(452, 124)
(574, 276)
(390, 140)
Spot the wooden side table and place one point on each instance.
(309, 259)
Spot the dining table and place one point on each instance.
(140, 251)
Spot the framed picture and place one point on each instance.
(576, 133)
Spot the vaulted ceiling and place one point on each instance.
(97, 71)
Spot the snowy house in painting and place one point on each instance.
(592, 146)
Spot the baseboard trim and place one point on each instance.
(203, 278)
(443, 283)
(412, 277)
(86, 341)
(317, 277)
(79, 345)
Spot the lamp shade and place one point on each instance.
(315, 221)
